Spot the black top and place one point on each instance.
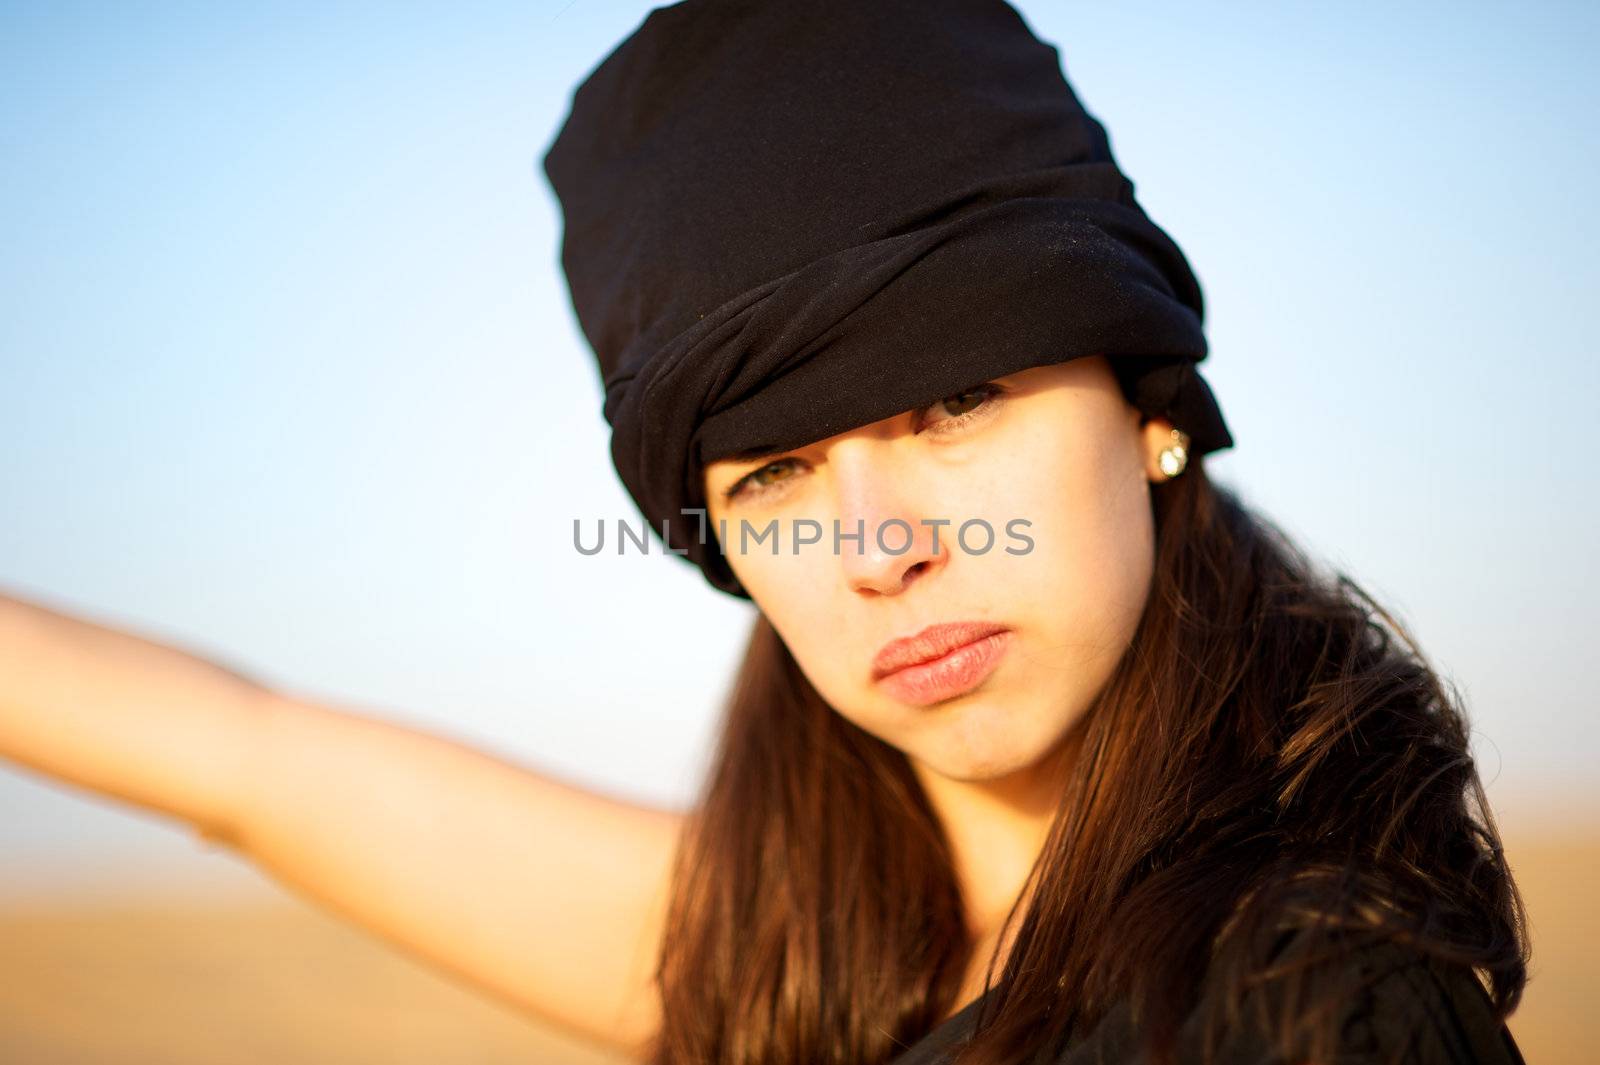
(1414, 1014)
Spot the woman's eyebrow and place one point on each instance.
(754, 453)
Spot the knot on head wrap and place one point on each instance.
(786, 220)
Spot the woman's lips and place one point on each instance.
(953, 673)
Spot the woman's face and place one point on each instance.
(1055, 461)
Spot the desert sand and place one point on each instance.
(275, 979)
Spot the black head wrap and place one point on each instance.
(784, 220)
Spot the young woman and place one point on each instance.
(1171, 784)
(1044, 748)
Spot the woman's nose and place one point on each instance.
(889, 531)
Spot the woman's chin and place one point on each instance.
(992, 759)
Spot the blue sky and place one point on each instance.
(288, 375)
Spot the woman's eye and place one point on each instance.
(959, 408)
(949, 415)
(758, 481)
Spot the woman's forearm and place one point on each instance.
(125, 716)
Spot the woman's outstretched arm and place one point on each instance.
(548, 895)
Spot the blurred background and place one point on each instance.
(288, 378)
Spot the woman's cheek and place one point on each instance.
(801, 617)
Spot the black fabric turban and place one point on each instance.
(786, 219)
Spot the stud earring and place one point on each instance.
(1175, 456)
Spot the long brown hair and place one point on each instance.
(1273, 754)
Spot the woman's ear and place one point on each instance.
(1154, 434)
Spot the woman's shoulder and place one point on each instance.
(1406, 1009)
(1416, 1009)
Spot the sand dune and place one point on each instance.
(277, 980)
(218, 984)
